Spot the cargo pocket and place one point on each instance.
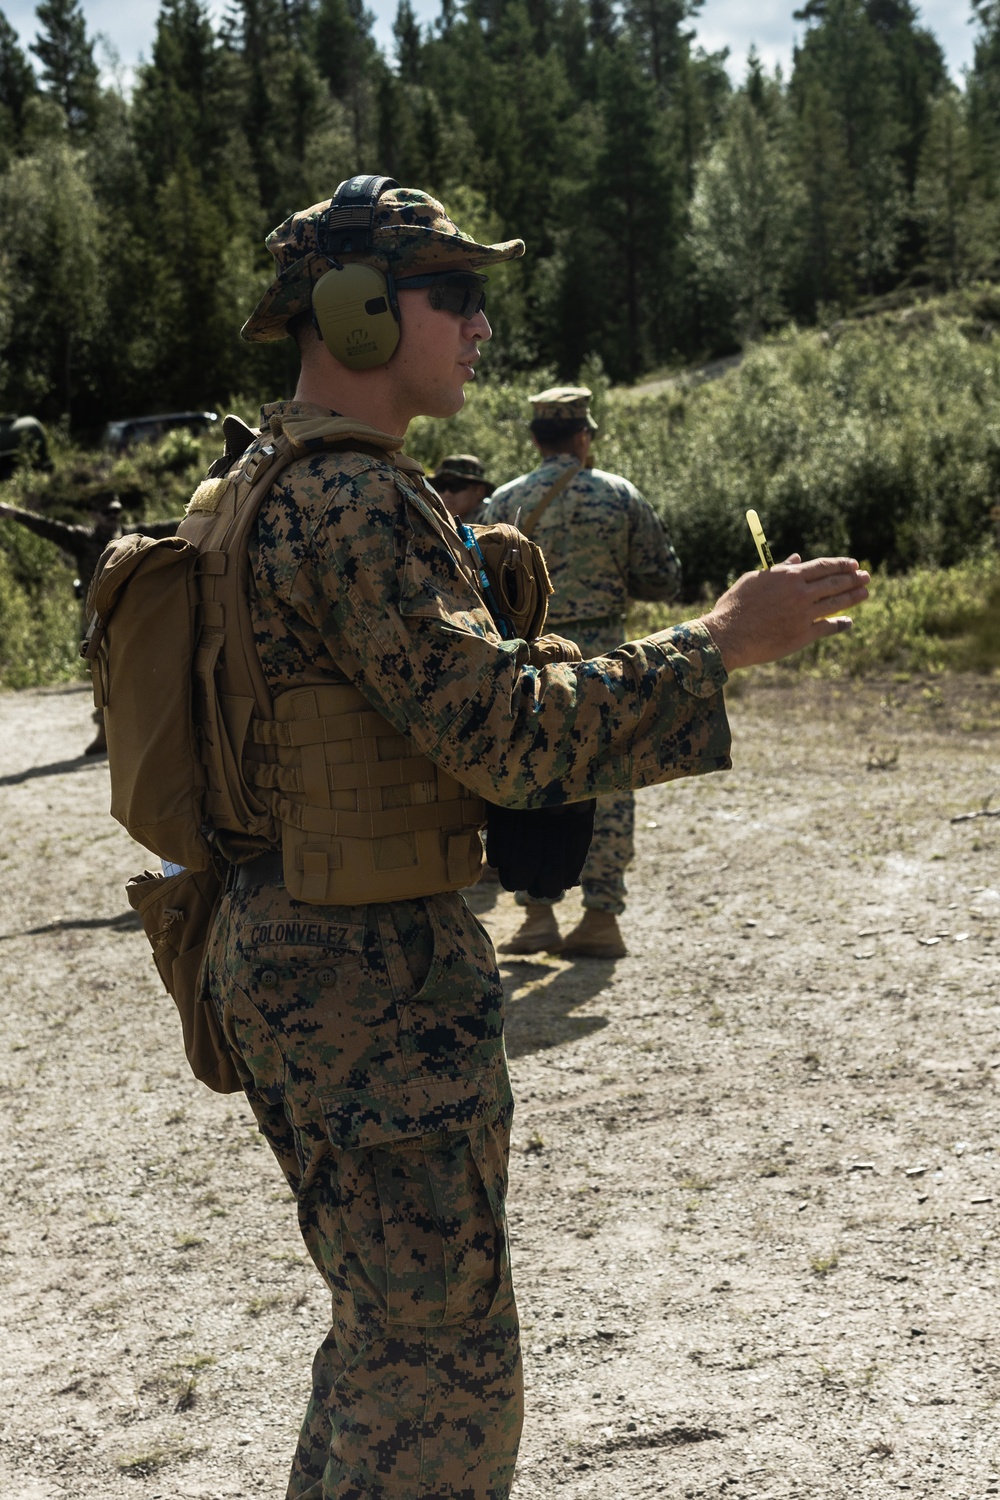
(421, 1173)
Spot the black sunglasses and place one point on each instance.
(461, 292)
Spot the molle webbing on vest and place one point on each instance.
(363, 815)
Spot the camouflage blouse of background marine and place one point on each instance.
(603, 543)
(356, 567)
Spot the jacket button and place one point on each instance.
(325, 976)
(268, 978)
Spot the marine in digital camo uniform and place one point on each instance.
(85, 545)
(603, 544)
(370, 1037)
(460, 479)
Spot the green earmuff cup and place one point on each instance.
(354, 313)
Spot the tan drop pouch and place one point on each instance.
(177, 912)
(364, 816)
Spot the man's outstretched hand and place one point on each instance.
(768, 615)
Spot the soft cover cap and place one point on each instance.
(563, 403)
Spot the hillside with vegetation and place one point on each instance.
(878, 436)
(834, 233)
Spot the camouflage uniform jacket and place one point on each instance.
(358, 576)
(604, 544)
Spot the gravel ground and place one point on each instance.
(754, 1188)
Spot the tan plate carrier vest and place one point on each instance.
(359, 813)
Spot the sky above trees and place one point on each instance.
(723, 23)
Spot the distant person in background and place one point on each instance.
(604, 544)
(462, 484)
(85, 545)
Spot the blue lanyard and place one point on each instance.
(500, 620)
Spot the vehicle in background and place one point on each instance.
(22, 441)
(126, 433)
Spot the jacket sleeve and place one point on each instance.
(392, 604)
(654, 569)
(71, 539)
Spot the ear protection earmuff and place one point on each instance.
(354, 306)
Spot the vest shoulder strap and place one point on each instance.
(552, 493)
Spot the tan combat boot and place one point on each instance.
(596, 935)
(538, 933)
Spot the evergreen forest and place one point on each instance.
(669, 213)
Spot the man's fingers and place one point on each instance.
(834, 591)
(837, 626)
(819, 568)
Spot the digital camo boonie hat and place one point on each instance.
(411, 231)
(466, 467)
(563, 403)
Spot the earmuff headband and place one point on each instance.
(347, 227)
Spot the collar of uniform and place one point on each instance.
(309, 428)
(560, 461)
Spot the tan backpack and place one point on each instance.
(203, 764)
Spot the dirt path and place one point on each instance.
(754, 1198)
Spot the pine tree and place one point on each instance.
(984, 96)
(56, 305)
(660, 38)
(832, 213)
(844, 60)
(746, 210)
(634, 212)
(919, 74)
(66, 54)
(17, 85)
(186, 98)
(960, 223)
(409, 42)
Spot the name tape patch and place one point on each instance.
(304, 935)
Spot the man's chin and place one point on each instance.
(447, 406)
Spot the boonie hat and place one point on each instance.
(563, 403)
(464, 466)
(411, 231)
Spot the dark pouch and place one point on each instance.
(177, 912)
(539, 850)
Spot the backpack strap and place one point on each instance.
(552, 493)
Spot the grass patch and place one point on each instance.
(258, 1305)
(822, 1265)
(140, 1465)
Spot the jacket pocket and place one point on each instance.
(422, 1178)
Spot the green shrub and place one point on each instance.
(930, 620)
(39, 617)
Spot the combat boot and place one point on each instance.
(596, 935)
(538, 933)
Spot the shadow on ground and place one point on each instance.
(541, 999)
(55, 768)
(125, 921)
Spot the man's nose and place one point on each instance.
(479, 328)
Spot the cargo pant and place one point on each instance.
(370, 1041)
(613, 845)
